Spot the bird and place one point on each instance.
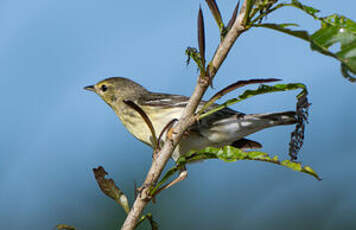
(224, 127)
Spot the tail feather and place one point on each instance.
(282, 118)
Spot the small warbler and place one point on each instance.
(224, 127)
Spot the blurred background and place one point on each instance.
(53, 132)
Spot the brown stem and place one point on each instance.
(184, 122)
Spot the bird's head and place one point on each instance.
(117, 89)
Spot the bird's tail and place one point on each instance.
(257, 122)
(273, 119)
(251, 123)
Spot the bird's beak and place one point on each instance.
(90, 88)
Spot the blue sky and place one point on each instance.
(53, 132)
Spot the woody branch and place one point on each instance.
(187, 118)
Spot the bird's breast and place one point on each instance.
(138, 127)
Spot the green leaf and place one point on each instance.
(283, 28)
(334, 29)
(192, 53)
(231, 154)
(307, 9)
(262, 89)
(337, 29)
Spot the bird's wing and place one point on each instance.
(171, 100)
(163, 100)
(167, 101)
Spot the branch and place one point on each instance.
(187, 119)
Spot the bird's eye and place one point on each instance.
(103, 88)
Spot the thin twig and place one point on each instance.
(182, 175)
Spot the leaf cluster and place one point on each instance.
(334, 29)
